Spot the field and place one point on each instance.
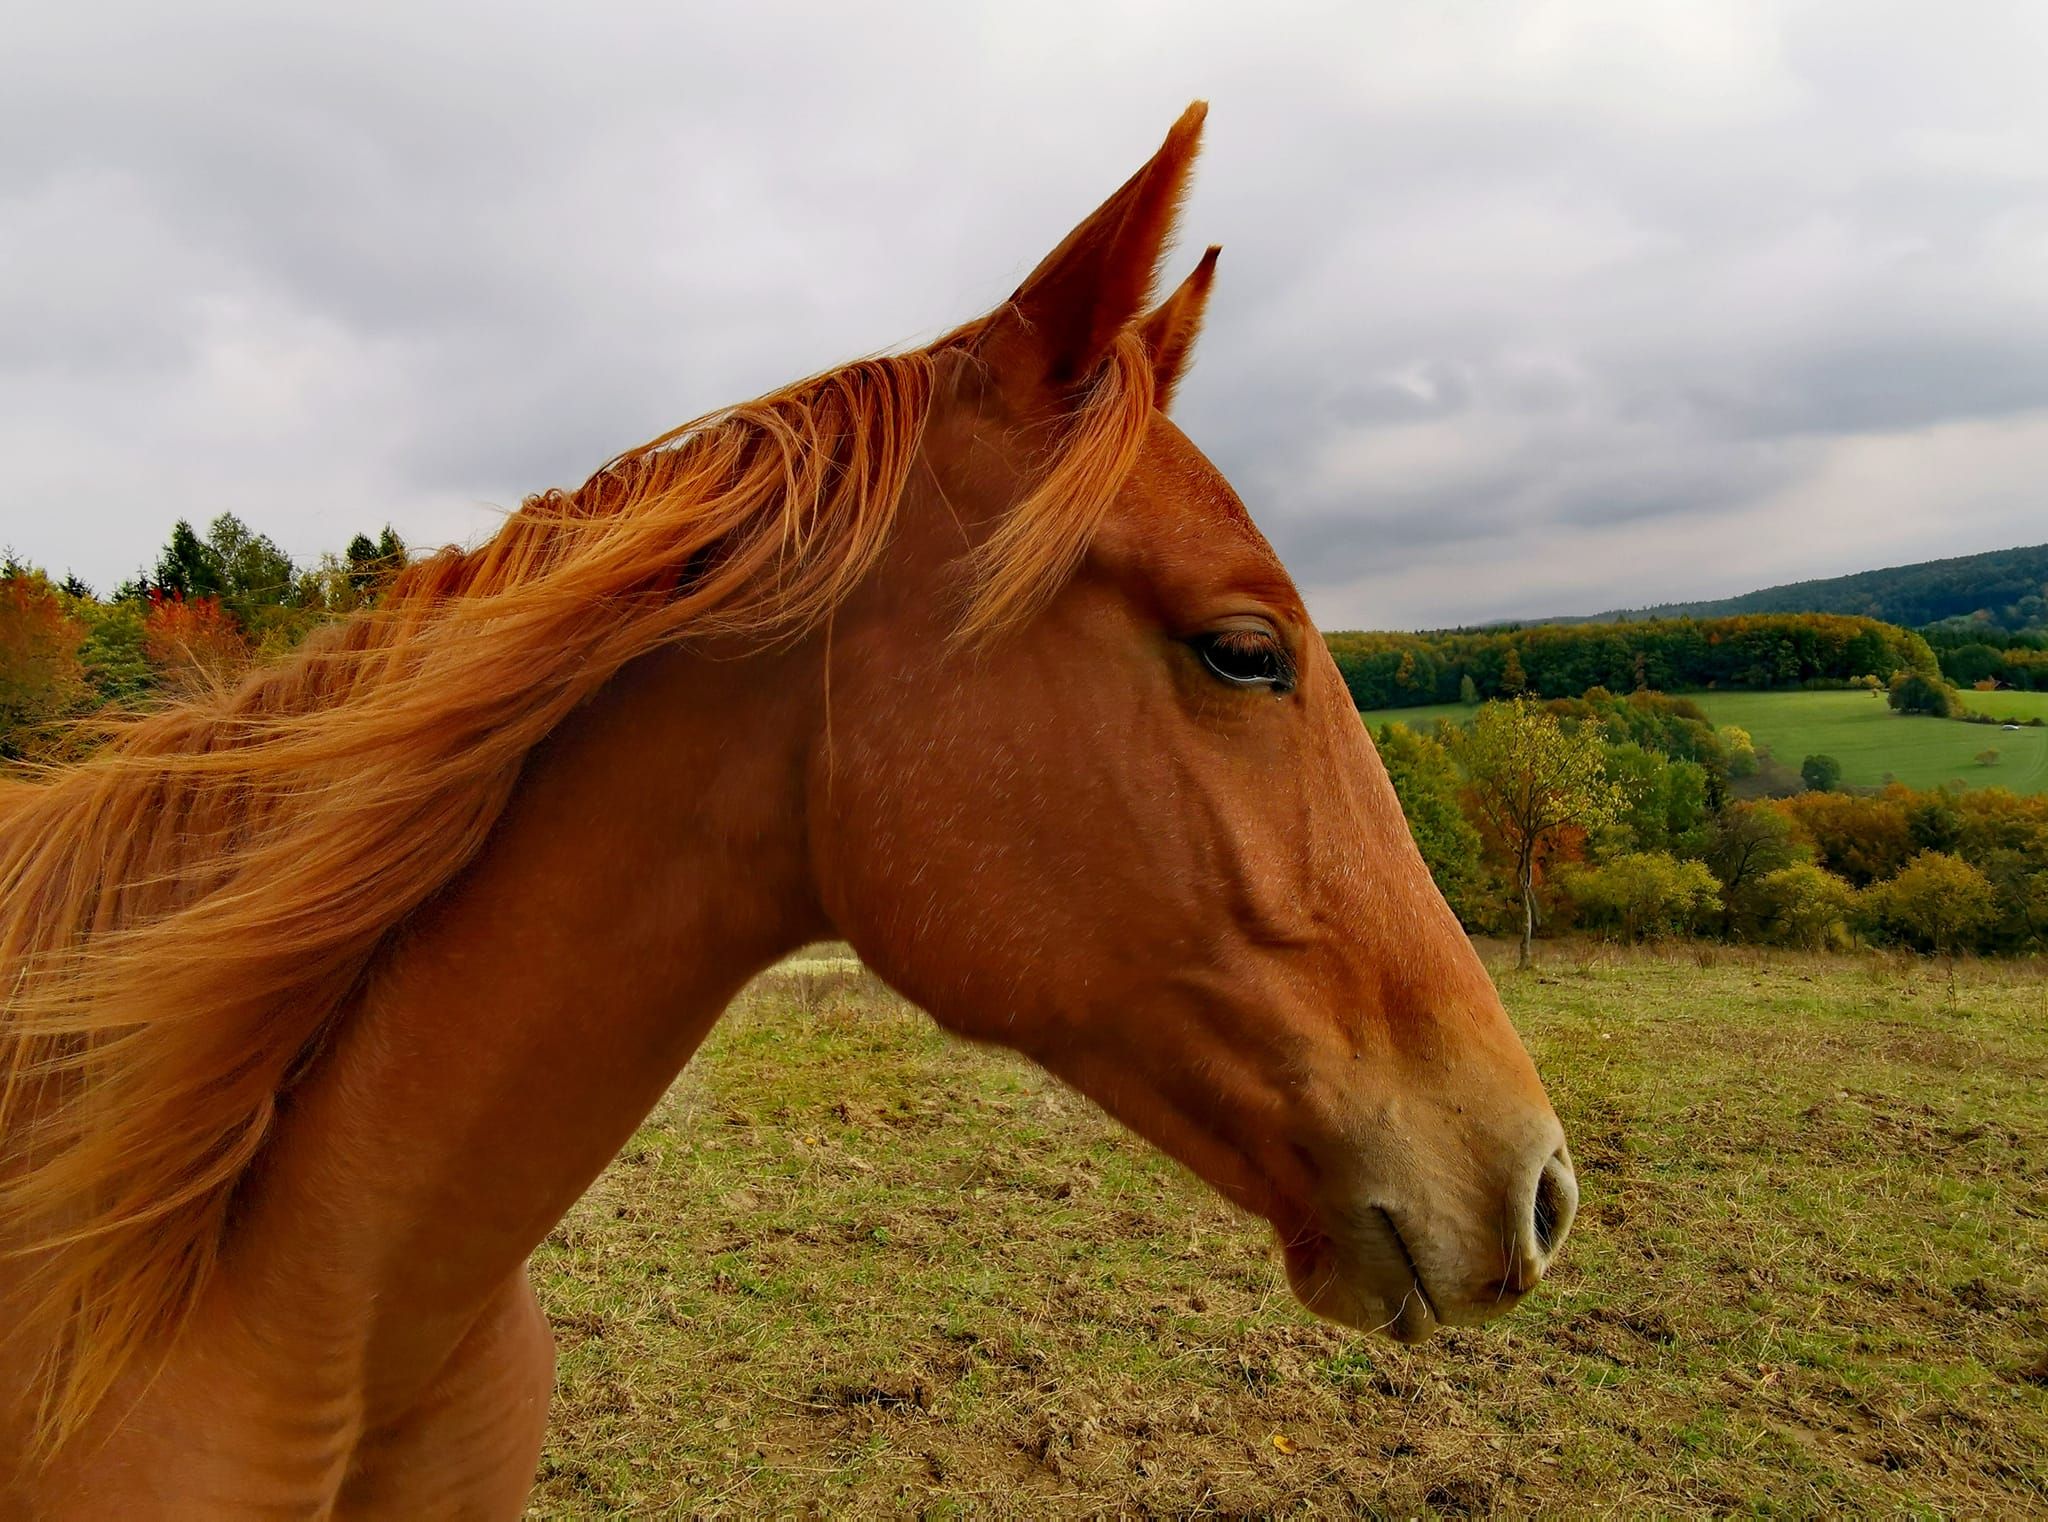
(853, 1266)
(1859, 730)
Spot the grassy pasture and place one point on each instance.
(852, 1266)
(1859, 730)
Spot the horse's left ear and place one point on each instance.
(1060, 323)
(1170, 329)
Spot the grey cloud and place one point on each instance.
(1485, 292)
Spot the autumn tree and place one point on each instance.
(41, 676)
(1745, 844)
(1531, 778)
(1860, 838)
(1740, 748)
(1426, 781)
(192, 641)
(1802, 905)
(1512, 678)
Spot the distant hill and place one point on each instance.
(2008, 587)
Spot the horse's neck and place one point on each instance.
(652, 860)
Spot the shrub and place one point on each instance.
(1938, 903)
(1806, 906)
(1644, 894)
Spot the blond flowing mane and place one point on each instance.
(184, 916)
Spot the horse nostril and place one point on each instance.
(1546, 1211)
(1556, 1200)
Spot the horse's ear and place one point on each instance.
(1054, 331)
(1170, 329)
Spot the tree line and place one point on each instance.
(213, 604)
(1385, 670)
(1635, 817)
(1562, 803)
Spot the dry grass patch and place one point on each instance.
(851, 1265)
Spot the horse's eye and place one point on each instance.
(1247, 658)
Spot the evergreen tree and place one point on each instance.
(188, 567)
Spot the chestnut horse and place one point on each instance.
(327, 995)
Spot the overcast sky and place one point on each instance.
(1524, 308)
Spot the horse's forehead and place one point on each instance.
(1186, 510)
(1174, 475)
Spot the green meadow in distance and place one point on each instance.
(1859, 730)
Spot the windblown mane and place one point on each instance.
(184, 915)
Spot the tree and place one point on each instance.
(254, 572)
(1404, 674)
(1919, 692)
(1425, 779)
(1512, 678)
(2020, 879)
(1971, 664)
(188, 566)
(191, 641)
(41, 677)
(1988, 756)
(1645, 893)
(1802, 905)
(1745, 844)
(362, 562)
(116, 663)
(1938, 902)
(1740, 749)
(1529, 779)
(1663, 803)
(372, 563)
(1468, 691)
(1863, 839)
(1821, 774)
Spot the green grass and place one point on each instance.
(2009, 705)
(853, 1267)
(1423, 718)
(1859, 730)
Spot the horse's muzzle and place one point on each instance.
(1407, 1263)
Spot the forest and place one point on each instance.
(2000, 589)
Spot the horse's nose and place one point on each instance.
(1552, 1202)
